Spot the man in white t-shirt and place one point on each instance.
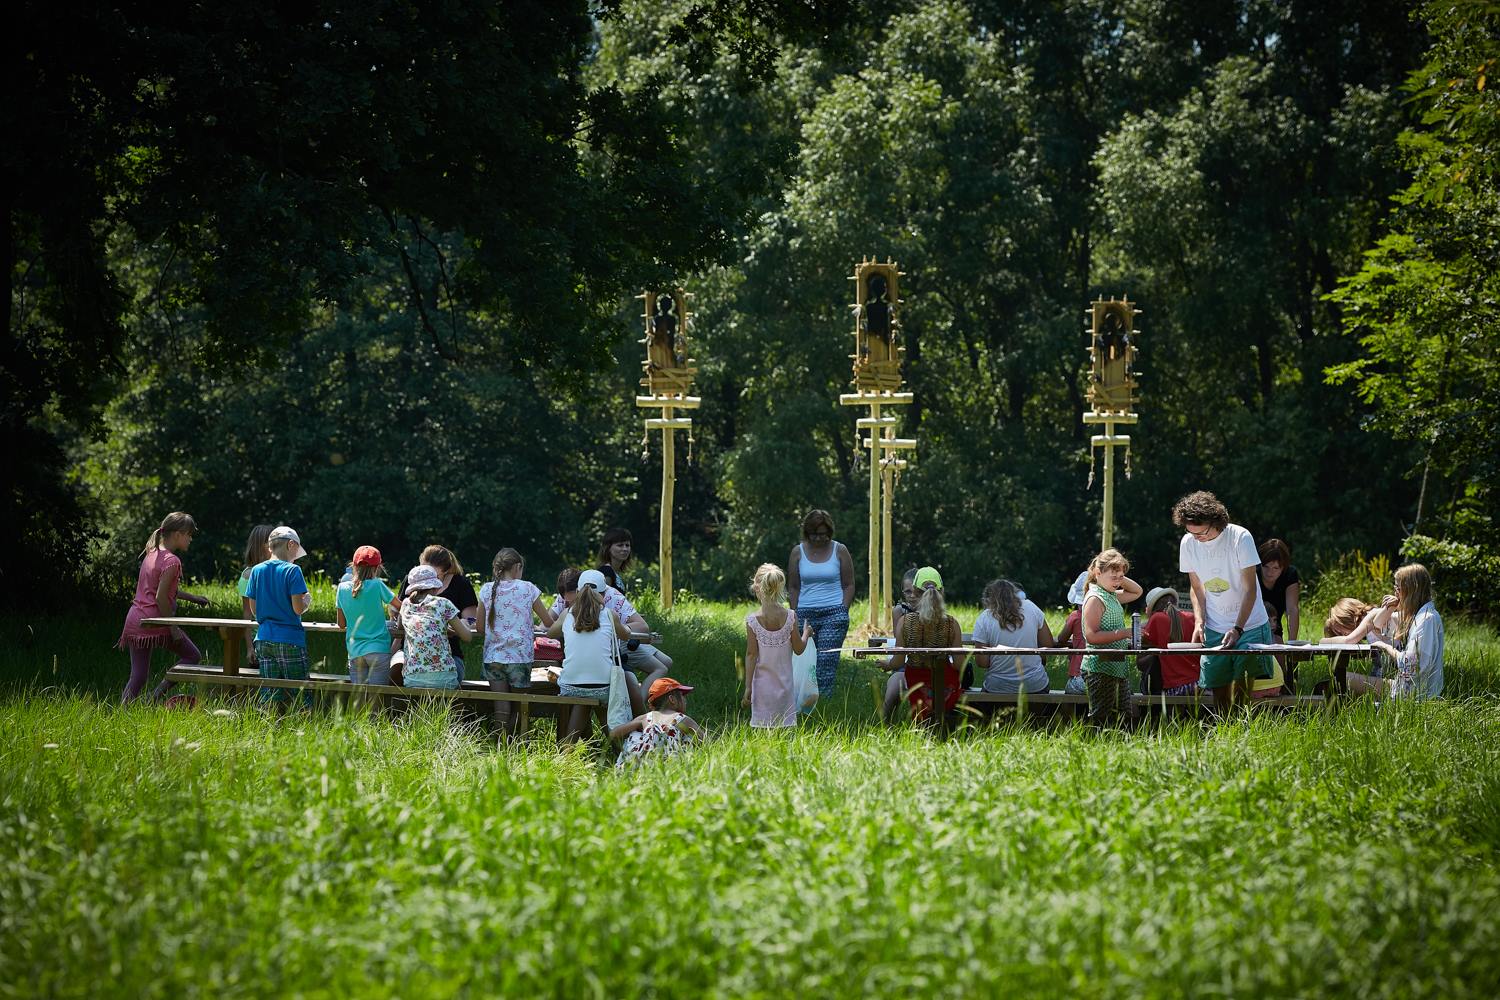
(1221, 563)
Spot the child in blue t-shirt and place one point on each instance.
(361, 602)
(278, 598)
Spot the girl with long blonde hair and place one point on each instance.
(930, 627)
(771, 638)
(590, 633)
(1418, 649)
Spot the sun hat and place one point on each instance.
(592, 578)
(285, 534)
(367, 555)
(1079, 590)
(927, 575)
(423, 578)
(664, 686)
(1157, 593)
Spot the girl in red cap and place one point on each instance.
(662, 731)
(362, 603)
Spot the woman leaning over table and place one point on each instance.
(820, 584)
(458, 591)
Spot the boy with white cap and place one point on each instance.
(278, 599)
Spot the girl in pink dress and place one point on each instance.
(771, 637)
(156, 596)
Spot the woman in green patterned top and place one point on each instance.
(1106, 676)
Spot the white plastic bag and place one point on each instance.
(805, 677)
(618, 711)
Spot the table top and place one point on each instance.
(1176, 649)
(249, 623)
(234, 623)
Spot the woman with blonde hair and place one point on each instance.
(1104, 628)
(930, 627)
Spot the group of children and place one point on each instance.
(1239, 594)
(412, 636)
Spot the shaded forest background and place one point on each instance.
(372, 273)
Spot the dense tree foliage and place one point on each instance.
(1426, 303)
(255, 166)
(373, 275)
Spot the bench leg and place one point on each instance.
(232, 638)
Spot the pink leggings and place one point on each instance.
(140, 665)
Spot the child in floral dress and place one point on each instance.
(662, 731)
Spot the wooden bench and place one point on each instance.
(526, 702)
(1074, 705)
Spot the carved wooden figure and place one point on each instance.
(877, 326)
(668, 368)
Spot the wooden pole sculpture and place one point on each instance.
(877, 383)
(668, 380)
(1111, 393)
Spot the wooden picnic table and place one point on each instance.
(1340, 651)
(231, 631)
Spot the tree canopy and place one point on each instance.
(373, 274)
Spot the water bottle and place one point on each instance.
(1135, 630)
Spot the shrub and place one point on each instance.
(1466, 576)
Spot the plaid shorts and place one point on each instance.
(286, 661)
(517, 675)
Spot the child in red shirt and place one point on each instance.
(1168, 624)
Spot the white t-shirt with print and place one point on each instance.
(1220, 565)
(509, 638)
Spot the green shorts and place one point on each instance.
(517, 675)
(1221, 671)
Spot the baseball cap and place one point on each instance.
(367, 555)
(423, 578)
(663, 687)
(927, 575)
(593, 578)
(1157, 593)
(1079, 590)
(285, 534)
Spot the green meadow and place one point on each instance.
(220, 851)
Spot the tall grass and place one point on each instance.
(157, 853)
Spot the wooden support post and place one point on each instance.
(875, 595)
(888, 475)
(233, 639)
(668, 485)
(1108, 534)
